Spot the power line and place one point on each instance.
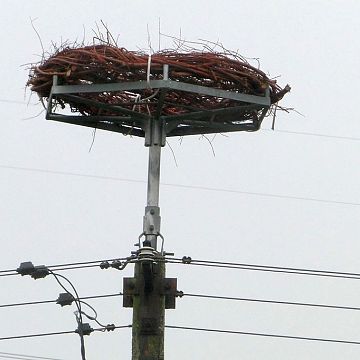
(263, 334)
(271, 301)
(56, 333)
(8, 355)
(194, 187)
(54, 301)
(315, 134)
(219, 297)
(266, 268)
(209, 263)
(73, 266)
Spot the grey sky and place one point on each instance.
(48, 218)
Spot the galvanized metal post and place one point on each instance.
(152, 211)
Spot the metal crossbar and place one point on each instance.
(130, 122)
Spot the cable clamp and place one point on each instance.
(36, 272)
(186, 259)
(84, 329)
(65, 299)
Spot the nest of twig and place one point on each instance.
(107, 63)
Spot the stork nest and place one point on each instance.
(106, 63)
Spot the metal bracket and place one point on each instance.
(155, 133)
(193, 121)
(152, 220)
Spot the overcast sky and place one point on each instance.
(50, 218)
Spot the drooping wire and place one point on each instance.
(78, 315)
(290, 337)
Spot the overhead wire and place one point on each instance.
(39, 302)
(79, 312)
(25, 336)
(352, 138)
(9, 355)
(194, 187)
(290, 337)
(265, 268)
(279, 302)
(68, 266)
(209, 263)
(28, 268)
(195, 295)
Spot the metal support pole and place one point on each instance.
(154, 139)
(152, 210)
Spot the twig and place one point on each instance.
(173, 154)
(38, 35)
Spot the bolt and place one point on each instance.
(152, 211)
(151, 227)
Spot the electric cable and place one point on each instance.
(82, 329)
(206, 296)
(263, 334)
(8, 355)
(56, 333)
(194, 187)
(78, 315)
(211, 263)
(352, 138)
(275, 269)
(279, 302)
(54, 301)
(115, 263)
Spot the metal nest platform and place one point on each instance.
(241, 112)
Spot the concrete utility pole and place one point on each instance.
(149, 292)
